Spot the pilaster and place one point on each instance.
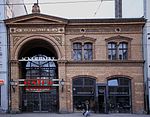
(62, 89)
(14, 65)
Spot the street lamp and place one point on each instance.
(62, 83)
(13, 84)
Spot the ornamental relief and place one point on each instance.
(16, 39)
(58, 39)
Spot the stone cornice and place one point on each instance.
(126, 63)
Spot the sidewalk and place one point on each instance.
(71, 115)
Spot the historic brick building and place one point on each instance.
(56, 64)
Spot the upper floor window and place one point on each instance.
(123, 51)
(77, 51)
(82, 51)
(117, 51)
(112, 51)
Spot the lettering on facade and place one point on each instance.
(38, 85)
(84, 92)
(38, 59)
(39, 82)
(38, 89)
(37, 30)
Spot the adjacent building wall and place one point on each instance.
(6, 11)
(146, 46)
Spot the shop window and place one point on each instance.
(83, 90)
(117, 52)
(82, 51)
(119, 95)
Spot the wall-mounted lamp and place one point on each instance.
(13, 85)
(62, 83)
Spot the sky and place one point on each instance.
(81, 9)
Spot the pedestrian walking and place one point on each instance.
(86, 108)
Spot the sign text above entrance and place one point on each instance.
(38, 59)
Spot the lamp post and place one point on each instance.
(62, 83)
(13, 84)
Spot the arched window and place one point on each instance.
(40, 69)
(119, 95)
(83, 90)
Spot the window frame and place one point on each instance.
(83, 40)
(118, 40)
(118, 95)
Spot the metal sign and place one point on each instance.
(1, 82)
(38, 59)
(38, 82)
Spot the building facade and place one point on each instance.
(146, 43)
(7, 10)
(57, 64)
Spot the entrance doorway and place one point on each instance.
(39, 102)
(37, 91)
(38, 76)
(102, 99)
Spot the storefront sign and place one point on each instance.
(38, 85)
(1, 82)
(84, 93)
(38, 89)
(38, 82)
(38, 59)
(118, 93)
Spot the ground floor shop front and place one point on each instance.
(114, 96)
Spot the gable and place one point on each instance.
(36, 18)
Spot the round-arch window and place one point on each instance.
(83, 90)
(40, 69)
(119, 95)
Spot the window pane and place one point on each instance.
(112, 51)
(88, 81)
(124, 81)
(77, 55)
(113, 82)
(123, 51)
(77, 51)
(88, 54)
(78, 81)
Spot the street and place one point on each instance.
(70, 115)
